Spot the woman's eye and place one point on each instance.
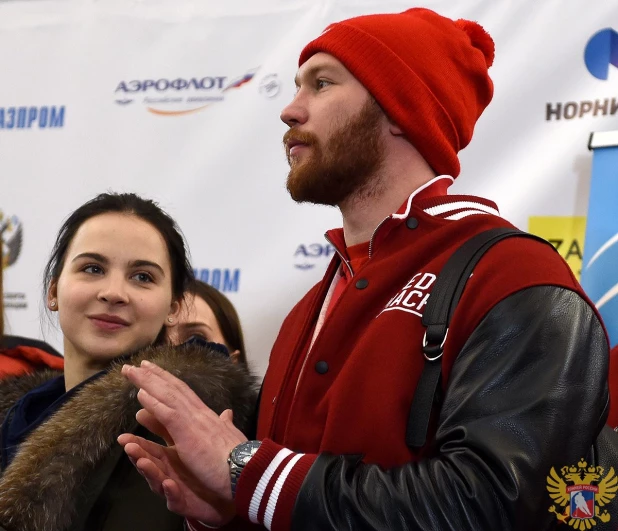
(200, 334)
(196, 339)
(93, 269)
(142, 277)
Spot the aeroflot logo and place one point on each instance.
(179, 96)
(601, 52)
(308, 255)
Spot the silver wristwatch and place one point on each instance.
(238, 459)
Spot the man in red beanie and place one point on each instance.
(384, 104)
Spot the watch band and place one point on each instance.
(234, 475)
(238, 459)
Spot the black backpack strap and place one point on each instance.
(440, 307)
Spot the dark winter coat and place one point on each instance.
(71, 474)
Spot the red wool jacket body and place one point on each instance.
(350, 393)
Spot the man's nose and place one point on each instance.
(296, 112)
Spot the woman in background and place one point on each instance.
(206, 313)
(116, 278)
(22, 355)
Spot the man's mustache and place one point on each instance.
(298, 137)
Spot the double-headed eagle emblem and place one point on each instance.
(581, 493)
(11, 236)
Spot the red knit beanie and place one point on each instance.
(428, 73)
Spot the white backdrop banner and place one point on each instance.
(179, 101)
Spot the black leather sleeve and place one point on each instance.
(527, 392)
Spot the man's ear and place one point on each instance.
(172, 316)
(52, 296)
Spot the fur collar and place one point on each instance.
(39, 489)
(13, 388)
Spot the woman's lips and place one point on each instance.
(108, 322)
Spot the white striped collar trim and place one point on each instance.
(469, 206)
(465, 214)
(405, 214)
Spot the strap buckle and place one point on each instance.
(433, 352)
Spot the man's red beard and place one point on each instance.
(347, 165)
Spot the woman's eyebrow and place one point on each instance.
(142, 263)
(94, 256)
(195, 324)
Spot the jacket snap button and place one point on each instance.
(321, 367)
(362, 283)
(412, 223)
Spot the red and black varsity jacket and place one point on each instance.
(524, 348)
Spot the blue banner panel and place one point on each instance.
(599, 276)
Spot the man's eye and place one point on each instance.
(322, 83)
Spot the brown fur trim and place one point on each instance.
(38, 489)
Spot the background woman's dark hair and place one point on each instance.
(226, 316)
(145, 209)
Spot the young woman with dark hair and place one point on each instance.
(116, 278)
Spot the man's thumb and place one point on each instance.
(227, 415)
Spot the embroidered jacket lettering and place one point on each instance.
(413, 297)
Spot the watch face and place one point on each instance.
(243, 452)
